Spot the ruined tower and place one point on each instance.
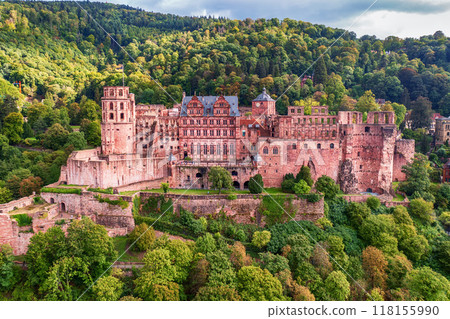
(118, 120)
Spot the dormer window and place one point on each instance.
(111, 106)
(121, 92)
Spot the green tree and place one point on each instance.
(13, 127)
(261, 238)
(64, 277)
(165, 187)
(421, 113)
(373, 202)
(421, 209)
(367, 103)
(151, 287)
(417, 176)
(375, 265)
(301, 188)
(142, 236)
(91, 131)
(5, 195)
(220, 178)
(205, 244)
(7, 278)
(327, 186)
(107, 289)
(55, 137)
(219, 293)
(398, 267)
(304, 174)
(426, 284)
(77, 140)
(320, 72)
(357, 213)
(255, 284)
(337, 286)
(256, 184)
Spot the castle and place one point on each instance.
(144, 145)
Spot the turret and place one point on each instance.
(263, 105)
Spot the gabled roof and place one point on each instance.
(208, 104)
(263, 96)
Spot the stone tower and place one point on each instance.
(118, 120)
(263, 105)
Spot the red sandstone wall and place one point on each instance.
(102, 213)
(404, 153)
(244, 209)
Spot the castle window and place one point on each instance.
(205, 122)
(294, 146)
(122, 116)
(359, 154)
(211, 132)
(199, 149)
(218, 122)
(331, 145)
(225, 149)
(232, 149)
(198, 122)
(367, 129)
(319, 146)
(111, 92)
(185, 145)
(205, 132)
(192, 148)
(234, 173)
(111, 116)
(231, 133)
(194, 104)
(333, 133)
(191, 133)
(191, 122)
(305, 146)
(225, 122)
(198, 132)
(184, 122)
(111, 106)
(121, 105)
(360, 166)
(231, 122)
(224, 132)
(292, 110)
(205, 149)
(120, 92)
(243, 133)
(211, 149)
(185, 133)
(218, 149)
(211, 122)
(218, 132)
(275, 150)
(265, 150)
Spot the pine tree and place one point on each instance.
(320, 72)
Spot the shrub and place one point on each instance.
(165, 187)
(115, 202)
(143, 236)
(256, 184)
(232, 197)
(23, 219)
(261, 238)
(38, 200)
(108, 190)
(287, 185)
(301, 188)
(373, 202)
(445, 219)
(64, 190)
(421, 209)
(327, 186)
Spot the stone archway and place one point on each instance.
(246, 185)
(236, 185)
(63, 207)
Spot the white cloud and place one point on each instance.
(401, 24)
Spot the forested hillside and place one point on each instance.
(55, 49)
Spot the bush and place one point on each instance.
(108, 190)
(23, 219)
(232, 197)
(165, 187)
(287, 185)
(143, 236)
(421, 209)
(373, 202)
(261, 238)
(445, 219)
(61, 190)
(301, 188)
(115, 202)
(256, 184)
(327, 186)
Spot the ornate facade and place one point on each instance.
(143, 145)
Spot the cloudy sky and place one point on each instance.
(403, 18)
